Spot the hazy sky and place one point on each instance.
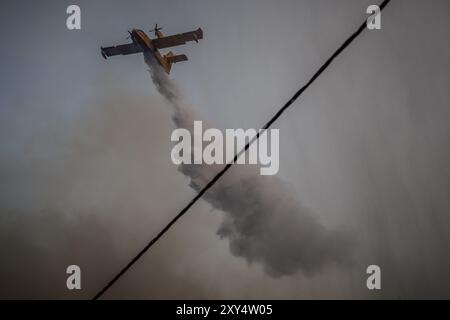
(85, 170)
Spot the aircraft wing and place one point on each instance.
(178, 39)
(122, 49)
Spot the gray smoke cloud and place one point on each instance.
(263, 222)
(89, 192)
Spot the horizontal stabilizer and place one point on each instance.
(175, 59)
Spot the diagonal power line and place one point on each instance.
(228, 166)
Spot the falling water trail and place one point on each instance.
(263, 222)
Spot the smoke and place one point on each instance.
(88, 191)
(263, 222)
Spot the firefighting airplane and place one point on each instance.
(142, 43)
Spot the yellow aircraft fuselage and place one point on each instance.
(141, 38)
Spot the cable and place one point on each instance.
(228, 166)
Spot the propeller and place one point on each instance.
(129, 35)
(156, 29)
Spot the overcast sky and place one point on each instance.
(85, 170)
